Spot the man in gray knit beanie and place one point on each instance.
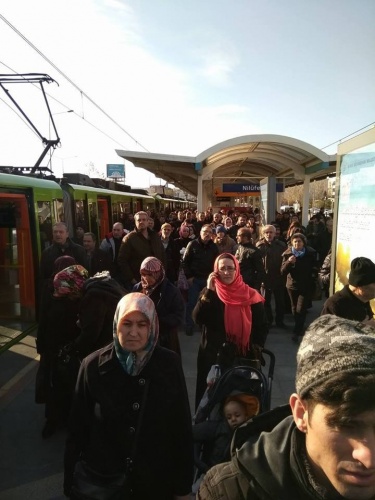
(326, 449)
(333, 345)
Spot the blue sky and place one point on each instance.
(182, 76)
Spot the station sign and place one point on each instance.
(249, 189)
(241, 188)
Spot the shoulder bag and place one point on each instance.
(89, 484)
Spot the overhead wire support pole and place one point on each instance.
(33, 78)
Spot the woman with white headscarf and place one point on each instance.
(133, 391)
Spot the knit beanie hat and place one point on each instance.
(333, 345)
(220, 229)
(362, 272)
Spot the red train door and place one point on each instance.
(17, 274)
(103, 216)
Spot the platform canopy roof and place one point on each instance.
(250, 157)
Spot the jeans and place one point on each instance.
(279, 304)
(299, 301)
(193, 294)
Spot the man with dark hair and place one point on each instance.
(353, 301)
(97, 260)
(61, 245)
(325, 450)
(135, 247)
(241, 222)
(78, 239)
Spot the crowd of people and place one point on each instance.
(110, 358)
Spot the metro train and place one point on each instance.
(29, 206)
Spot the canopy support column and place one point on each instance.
(306, 200)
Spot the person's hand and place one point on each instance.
(292, 259)
(211, 281)
(369, 322)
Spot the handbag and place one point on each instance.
(42, 384)
(66, 368)
(317, 291)
(182, 282)
(89, 484)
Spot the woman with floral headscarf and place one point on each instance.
(233, 319)
(131, 390)
(169, 303)
(57, 329)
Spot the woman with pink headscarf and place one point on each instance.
(233, 318)
(168, 301)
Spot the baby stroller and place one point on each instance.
(241, 380)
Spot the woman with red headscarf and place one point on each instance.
(233, 319)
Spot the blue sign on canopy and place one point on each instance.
(253, 187)
(115, 170)
(241, 188)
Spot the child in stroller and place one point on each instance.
(232, 399)
(217, 434)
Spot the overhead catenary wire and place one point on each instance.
(83, 94)
(349, 135)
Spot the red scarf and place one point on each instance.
(237, 297)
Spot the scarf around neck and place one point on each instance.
(298, 253)
(238, 299)
(132, 362)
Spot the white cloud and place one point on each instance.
(217, 62)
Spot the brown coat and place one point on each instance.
(134, 249)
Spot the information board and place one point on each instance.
(355, 199)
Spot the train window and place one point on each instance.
(58, 209)
(93, 214)
(45, 223)
(7, 215)
(80, 219)
(125, 208)
(115, 211)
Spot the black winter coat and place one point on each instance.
(134, 249)
(170, 307)
(209, 313)
(51, 253)
(216, 436)
(98, 306)
(300, 276)
(272, 257)
(172, 255)
(199, 259)
(251, 265)
(346, 305)
(57, 324)
(104, 421)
